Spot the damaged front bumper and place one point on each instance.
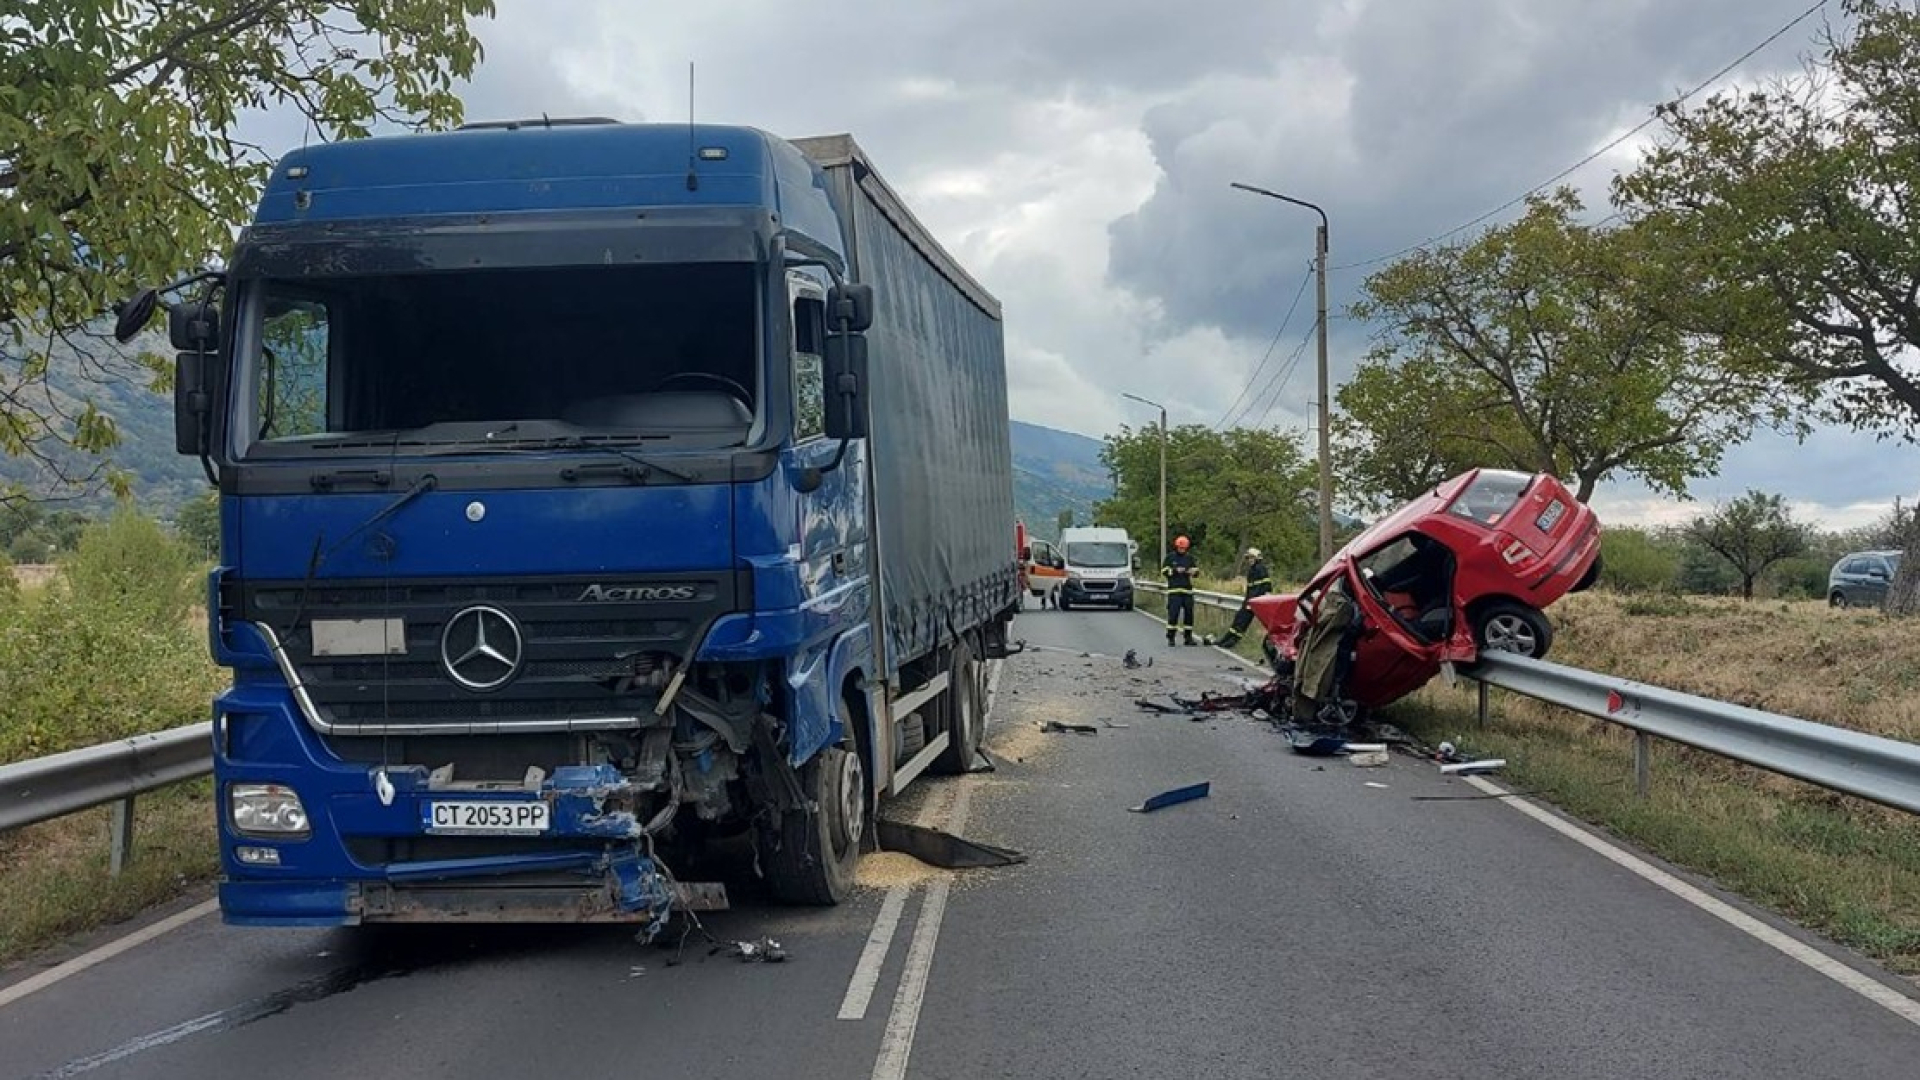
(572, 850)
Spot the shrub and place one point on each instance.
(105, 651)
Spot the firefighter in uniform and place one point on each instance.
(1179, 573)
(1259, 583)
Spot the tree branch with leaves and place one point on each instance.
(120, 163)
(1546, 346)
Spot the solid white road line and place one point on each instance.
(1867, 987)
(896, 1043)
(1887, 998)
(873, 956)
(866, 973)
(104, 953)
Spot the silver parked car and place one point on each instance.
(1861, 579)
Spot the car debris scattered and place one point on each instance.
(942, 849)
(1376, 784)
(1468, 768)
(1174, 797)
(1059, 727)
(764, 951)
(1371, 759)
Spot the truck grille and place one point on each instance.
(575, 660)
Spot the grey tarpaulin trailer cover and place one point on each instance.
(939, 440)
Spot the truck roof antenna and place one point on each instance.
(693, 178)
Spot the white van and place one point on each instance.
(1099, 563)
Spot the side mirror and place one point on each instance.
(846, 371)
(134, 315)
(194, 326)
(850, 305)
(191, 404)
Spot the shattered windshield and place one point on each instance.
(1099, 555)
(437, 359)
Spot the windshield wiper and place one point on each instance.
(633, 467)
(321, 553)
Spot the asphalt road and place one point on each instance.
(1301, 921)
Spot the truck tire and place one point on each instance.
(810, 853)
(963, 710)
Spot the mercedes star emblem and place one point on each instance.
(481, 648)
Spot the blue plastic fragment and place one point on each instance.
(1175, 797)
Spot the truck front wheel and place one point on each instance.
(809, 856)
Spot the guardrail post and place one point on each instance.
(1483, 703)
(1642, 762)
(120, 819)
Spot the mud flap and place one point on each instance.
(945, 850)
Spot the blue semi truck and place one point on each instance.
(591, 494)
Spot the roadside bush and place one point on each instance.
(105, 650)
(9, 585)
(1638, 561)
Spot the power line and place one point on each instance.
(1596, 155)
(1278, 386)
(1271, 345)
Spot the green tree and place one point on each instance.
(1640, 560)
(120, 164)
(198, 523)
(1540, 346)
(1750, 533)
(1064, 520)
(128, 561)
(1794, 211)
(1226, 490)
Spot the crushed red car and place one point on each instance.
(1468, 567)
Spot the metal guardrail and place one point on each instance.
(1877, 769)
(1881, 770)
(44, 788)
(1224, 601)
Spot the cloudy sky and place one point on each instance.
(1076, 155)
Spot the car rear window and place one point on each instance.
(1491, 495)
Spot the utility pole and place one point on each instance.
(1326, 444)
(1324, 411)
(1163, 470)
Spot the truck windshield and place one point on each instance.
(1098, 555)
(503, 357)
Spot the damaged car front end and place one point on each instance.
(1467, 568)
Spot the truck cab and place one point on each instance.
(562, 519)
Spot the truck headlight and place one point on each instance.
(266, 810)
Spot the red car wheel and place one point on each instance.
(1512, 628)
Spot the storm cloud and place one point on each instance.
(1076, 155)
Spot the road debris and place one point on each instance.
(1132, 660)
(636, 971)
(1467, 768)
(1061, 727)
(1376, 784)
(764, 951)
(1371, 759)
(1174, 797)
(942, 849)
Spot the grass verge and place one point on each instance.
(55, 874)
(1837, 865)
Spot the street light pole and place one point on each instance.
(1163, 470)
(1324, 410)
